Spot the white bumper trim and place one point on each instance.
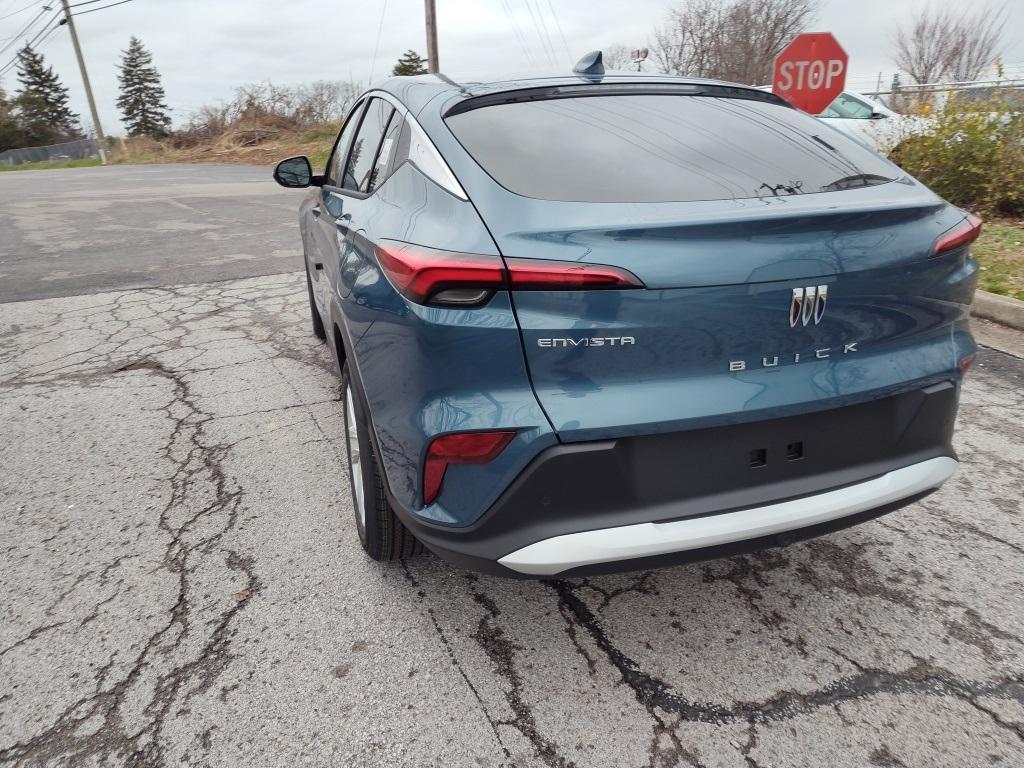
(560, 553)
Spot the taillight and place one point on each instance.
(459, 448)
(429, 276)
(447, 278)
(538, 275)
(965, 232)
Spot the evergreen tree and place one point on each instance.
(142, 96)
(10, 134)
(410, 64)
(42, 103)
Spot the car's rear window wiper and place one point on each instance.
(855, 181)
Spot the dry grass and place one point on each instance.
(257, 146)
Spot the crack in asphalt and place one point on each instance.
(921, 678)
(200, 465)
(36, 632)
(502, 653)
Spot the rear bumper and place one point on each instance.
(628, 542)
(664, 499)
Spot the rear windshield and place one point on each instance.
(660, 148)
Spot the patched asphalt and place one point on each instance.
(182, 581)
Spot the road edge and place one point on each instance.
(999, 309)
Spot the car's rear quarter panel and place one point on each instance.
(427, 371)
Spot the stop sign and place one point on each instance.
(810, 72)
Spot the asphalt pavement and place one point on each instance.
(83, 230)
(182, 583)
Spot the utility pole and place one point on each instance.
(85, 79)
(432, 64)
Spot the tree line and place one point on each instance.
(38, 113)
(738, 40)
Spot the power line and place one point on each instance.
(536, 26)
(376, 47)
(44, 33)
(101, 8)
(20, 10)
(547, 35)
(34, 43)
(518, 33)
(558, 24)
(25, 29)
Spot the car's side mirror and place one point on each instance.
(878, 116)
(296, 173)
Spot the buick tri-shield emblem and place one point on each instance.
(808, 303)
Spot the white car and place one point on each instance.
(868, 121)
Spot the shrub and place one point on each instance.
(263, 110)
(972, 151)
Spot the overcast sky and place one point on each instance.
(205, 48)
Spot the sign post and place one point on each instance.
(810, 72)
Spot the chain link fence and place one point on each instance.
(54, 153)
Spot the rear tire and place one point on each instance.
(318, 324)
(380, 531)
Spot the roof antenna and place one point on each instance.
(591, 65)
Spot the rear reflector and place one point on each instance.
(966, 362)
(459, 448)
(965, 232)
(446, 278)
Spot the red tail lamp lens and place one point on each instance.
(965, 232)
(536, 274)
(447, 278)
(422, 274)
(459, 448)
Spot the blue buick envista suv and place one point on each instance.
(610, 321)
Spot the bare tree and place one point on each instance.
(978, 39)
(729, 39)
(618, 57)
(922, 49)
(939, 43)
(757, 32)
(689, 40)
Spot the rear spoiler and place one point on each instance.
(550, 92)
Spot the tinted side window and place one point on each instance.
(358, 172)
(336, 164)
(383, 167)
(662, 148)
